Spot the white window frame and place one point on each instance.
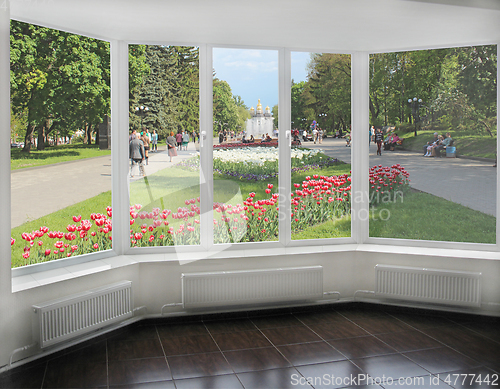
(206, 249)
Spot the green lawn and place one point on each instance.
(419, 216)
(467, 144)
(53, 154)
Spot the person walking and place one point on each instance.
(178, 140)
(154, 141)
(171, 145)
(136, 154)
(379, 138)
(145, 141)
(185, 140)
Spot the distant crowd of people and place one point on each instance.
(141, 143)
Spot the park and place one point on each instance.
(56, 117)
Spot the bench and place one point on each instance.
(449, 152)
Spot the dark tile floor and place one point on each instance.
(336, 346)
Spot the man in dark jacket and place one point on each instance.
(137, 154)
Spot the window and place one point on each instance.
(434, 112)
(245, 151)
(321, 158)
(60, 149)
(164, 176)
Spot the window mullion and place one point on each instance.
(284, 136)
(206, 152)
(119, 146)
(360, 154)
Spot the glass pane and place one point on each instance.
(60, 144)
(164, 173)
(433, 114)
(321, 170)
(245, 155)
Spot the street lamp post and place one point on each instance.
(141, 112)
(323, 116)
(415, 109)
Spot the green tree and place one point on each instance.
(61, 81)
(298, 108)
(328, 90)
(225, 111)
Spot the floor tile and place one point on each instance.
(394, 366)
(241, 340)
(227, 326)
(489, 329)
(275, 321)
(409, 340)
(91, 353)
(276, 378)
(485, 352)
(453, 335)
(135, 332)
(255, 359)
(290, 335)
(183, 329)
(144, 348)
(136, 371)
(333, 374)
(147, 385)
(182, 345)
(71, 375)
(439, 360)
(319, 317)
(355, 312)
(198, 365)
(422, 321)
(360, 347)
(213, 382)
(310, 353)
(338, 330)
(24, 377)
(381, 324)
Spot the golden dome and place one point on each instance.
(259, 107)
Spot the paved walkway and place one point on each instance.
(464, 181)
(40, 191)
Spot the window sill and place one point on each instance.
(28, 281)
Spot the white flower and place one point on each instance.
(258, 155)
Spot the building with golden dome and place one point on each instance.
(261, 122)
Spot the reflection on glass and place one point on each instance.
(60, 98)
(434, 114)
(245, 155)
(164, 169)
(320, 159)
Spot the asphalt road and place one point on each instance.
(40, 191)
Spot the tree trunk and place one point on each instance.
(88, 130)
(27, 138)
(41, 138)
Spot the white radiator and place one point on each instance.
(69, 317)
(251, 286)
(428, 285)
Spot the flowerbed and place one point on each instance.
(273, 143)
(314, 200)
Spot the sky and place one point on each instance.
(253, 74)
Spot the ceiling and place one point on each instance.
(314, 25)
